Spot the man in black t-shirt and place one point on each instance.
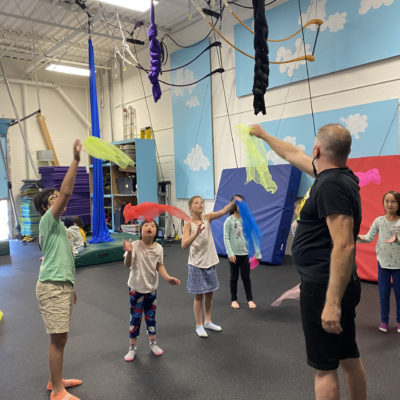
(324, 254)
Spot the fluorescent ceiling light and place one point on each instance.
(136, 5)
(68, 70)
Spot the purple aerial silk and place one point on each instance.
(155, 56)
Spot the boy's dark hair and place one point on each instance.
(146, 222)
(78, 221)
(235, 207)
(396, 196)
(68, 221)
(41, 200)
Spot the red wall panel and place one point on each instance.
(372, 207)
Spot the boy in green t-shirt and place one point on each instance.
(54, 289)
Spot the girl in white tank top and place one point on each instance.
(202, 276)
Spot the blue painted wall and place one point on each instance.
(374, 129)
(354, 33)
(191, 107)
(146, 171)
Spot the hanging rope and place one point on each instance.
(218, 70)
(308, 74)
(214, 44)
(316, 21)
(277, 133)
(307, 57)
(226, 101)
(116, 50)
(390, 127)
(125, 46)
(136, 63)
(155, 55)
(250, 8)
(261, 67)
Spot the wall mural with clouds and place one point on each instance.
(191, 108)
(354, 32)
(373, 127)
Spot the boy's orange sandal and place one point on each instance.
(67, 383)
(63, 395)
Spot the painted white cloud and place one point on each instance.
(355, 123)
(184, 76)
(196, 159)
(193, 102)
(317, 10)
(275, 159)
(366, 5)
(284, 54)
(335, 22)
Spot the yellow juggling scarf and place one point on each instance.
(98, 148)
(256, 159)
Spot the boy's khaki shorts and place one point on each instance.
(56, 300)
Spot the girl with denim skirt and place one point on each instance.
(202, 276)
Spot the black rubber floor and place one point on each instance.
(259, 355)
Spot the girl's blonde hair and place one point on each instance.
(191, 200)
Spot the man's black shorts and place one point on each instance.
(324, 350)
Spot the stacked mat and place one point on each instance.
(79, 203)
(29, 218)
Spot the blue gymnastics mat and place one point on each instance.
(272, 212)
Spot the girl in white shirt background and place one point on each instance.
(388, 255)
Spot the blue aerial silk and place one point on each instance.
(251, 231)
(100, 232)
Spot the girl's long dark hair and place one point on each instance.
(235, 208)
(396, 195)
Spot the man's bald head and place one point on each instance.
(335, 142)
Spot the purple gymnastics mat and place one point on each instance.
(79, 204)
(272, 212)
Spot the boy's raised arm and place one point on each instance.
(68, 183)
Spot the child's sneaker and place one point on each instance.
(398, 327)
(157, 351)
(212, 327)
(201, 331)
(383, 327)
(130, 355)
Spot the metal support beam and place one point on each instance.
(70, 28)
(61, 43)
(19, 122)
(60, 92)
